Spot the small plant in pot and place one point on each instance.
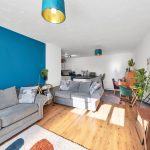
(131, 64)
(44, 74)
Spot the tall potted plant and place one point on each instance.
(131, 64)
(142, 82)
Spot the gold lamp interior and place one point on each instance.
(53, 15)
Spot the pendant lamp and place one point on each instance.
(53, 11)
(98, 52)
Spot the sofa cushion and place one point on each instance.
(63, 94)
(81, 97)
(74, 86)
(84, 87)
(8, 97)
(17, 112)
(64, 85)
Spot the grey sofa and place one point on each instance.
(15, 117)
(78, 96)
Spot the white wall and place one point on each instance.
(143, 52)
(114, 65)
(53, 64)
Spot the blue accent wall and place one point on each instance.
(21, 59)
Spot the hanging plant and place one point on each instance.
(44, 74)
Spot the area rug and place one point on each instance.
(111, 98)
(36, 136)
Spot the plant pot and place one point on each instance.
(45, 78)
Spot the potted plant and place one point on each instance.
(142, 82)
(131, 64)
(44, 74)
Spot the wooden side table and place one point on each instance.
(143, 126)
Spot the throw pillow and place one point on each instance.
(8, 97)
(27, 94)
(94, 86)
(64, 85)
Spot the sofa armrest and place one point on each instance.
(41, 100)
(98, 93)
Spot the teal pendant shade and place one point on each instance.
(53, 11)
(98, 52)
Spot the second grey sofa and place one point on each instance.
(78, 96)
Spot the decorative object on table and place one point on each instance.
(53, 11)
(44, 74)
(27, 94)
(131, 64)
(84, 73)
(43, 144)
(125, 92)
(36, 133)
(98, 52)
(46, 90)
(16, 145)
(116, 86)
(148, 64)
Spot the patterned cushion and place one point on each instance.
(94, 87)
(8, 97)
(27, 94)
(64, 85)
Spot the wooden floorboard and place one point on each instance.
(94, 134)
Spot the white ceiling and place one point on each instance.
(113, 25)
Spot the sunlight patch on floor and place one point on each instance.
(102, 113)
(118, 116)
(79, 111)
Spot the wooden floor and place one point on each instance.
(95, 134)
